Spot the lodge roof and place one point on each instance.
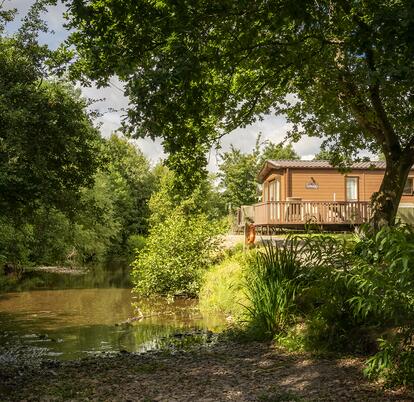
(324, 164)
(295, 164)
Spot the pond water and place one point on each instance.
(76, 316)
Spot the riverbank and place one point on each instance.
(64, 270)
(224, 372)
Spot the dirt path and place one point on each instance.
(226, 372)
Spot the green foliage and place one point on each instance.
(222, 287)
(177, 253)
(136, 243)
(324, 293)
(275, 152)
(238, 171)
(272, 285)
(100, 226)
(96, 226)
(384, 277)
(49, 151)
(204, 199)
(238, 178)
(130, 184)
(15, 242)
(183, 238)
(214, 66)
(66, 195)
(50, 237)
(49, 148)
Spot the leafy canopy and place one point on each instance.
(49, 148)
(198, 69)
(131, 184)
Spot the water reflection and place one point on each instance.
(71, 323)
(108, 276)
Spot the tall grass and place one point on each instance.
(222, 288)
(274, 280)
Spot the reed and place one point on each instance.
(274, 280)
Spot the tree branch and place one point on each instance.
(360, 109)
(388, 131)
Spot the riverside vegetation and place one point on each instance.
(327, 295)
(67, 196)
(316, 292)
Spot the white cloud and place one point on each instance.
(272, 128)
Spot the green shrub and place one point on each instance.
(331, 324)
(52, 237)
(15, 242)
(223, 287)
(177, 253)
(304, 283)
(383, 275)
(323, 293)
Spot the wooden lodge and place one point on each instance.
(296, 193)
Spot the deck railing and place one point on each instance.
(321, 212)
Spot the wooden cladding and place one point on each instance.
(328, 184)
(302, 212)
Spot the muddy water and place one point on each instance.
(74, 321)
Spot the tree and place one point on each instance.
(238, 171)
(277, 152)
(49, 148)
(131, 184)
(198, 69)
(183, 238)
(335, 158)
(204, 199)
(323, 155)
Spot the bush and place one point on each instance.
(383, 276)
(15, 242)
(176, 255)
(223, 287)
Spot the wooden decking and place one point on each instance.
(285, 213)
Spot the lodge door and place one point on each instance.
(274, 195)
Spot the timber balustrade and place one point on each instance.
(300, 212)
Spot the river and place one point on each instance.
(68, 317)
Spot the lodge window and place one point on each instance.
(409, 186)
(351, 184)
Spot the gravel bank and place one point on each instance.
(224, 372)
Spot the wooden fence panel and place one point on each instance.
(301, 212)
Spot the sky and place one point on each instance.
(113, 102)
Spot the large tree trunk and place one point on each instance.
(385, 202)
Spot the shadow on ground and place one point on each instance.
(226, 372)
